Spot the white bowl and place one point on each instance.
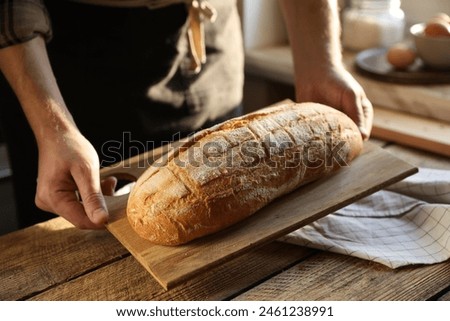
(434, 51)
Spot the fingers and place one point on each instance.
(88, 182)
(66, 166)
(367, 120)
(359, 108)
(362, 114)
(87, 210)
(66, 204)
(340, 90)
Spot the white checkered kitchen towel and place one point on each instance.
(407, 223)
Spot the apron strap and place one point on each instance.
(198, 11)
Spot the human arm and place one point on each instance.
(314, 32)
(67, 161)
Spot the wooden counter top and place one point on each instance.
(55, 261)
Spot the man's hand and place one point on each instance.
(314, 33)
(69, 183)
(337, 88)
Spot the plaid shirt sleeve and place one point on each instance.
(23, 20)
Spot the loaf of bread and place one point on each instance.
(223, 174)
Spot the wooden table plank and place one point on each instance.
(44, 255)
(127, 280)
(335, 277)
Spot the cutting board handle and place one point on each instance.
(130, 170)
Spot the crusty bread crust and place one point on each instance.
(225, 173)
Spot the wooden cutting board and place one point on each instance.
(374, 169)
(412, 130)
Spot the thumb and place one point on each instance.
(92, 197)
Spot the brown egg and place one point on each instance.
(401, 56)
(437, 27)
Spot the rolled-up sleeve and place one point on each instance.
(23, 20)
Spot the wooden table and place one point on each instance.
(55, 261)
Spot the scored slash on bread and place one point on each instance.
(226, 173)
